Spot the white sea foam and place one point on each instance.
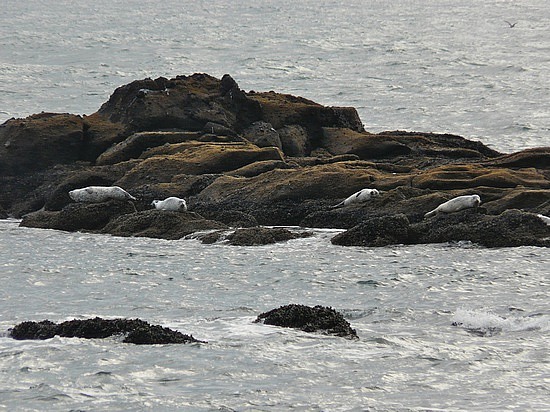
(484, 320)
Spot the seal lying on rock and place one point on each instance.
(98, 194)
(170, 203)
(456, 204)
(545, 219)
(359, 197)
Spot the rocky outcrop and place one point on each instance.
(250, 158)
(510, 228)
(133, 330)
(319, 319)
(377, 231)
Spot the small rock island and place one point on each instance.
(253, 159)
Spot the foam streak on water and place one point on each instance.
(436, 66)
(441, 327)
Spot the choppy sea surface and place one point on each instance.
(452, 66)
(441, 327)
(444, 327)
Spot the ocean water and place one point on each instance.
(450, 327)
(452, 66)
(441, 327)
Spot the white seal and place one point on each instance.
(545, 219)
(170, 203)
(359, 197)
(97, 194)
(456, 204)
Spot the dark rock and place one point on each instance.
(40, 141)
(34, 330)
(59, 197)
(184, 102)
(185, 137)
(262, 236)
(162, 164)
(254, 236)
(160, 224)
(78, 216)
(376, 231)
(101, 134)
(135, 330)
(257, 168)
(233, 218)
(450, 177)
(537, 157)
(340, 141)
(281, 110)
(262, 134)
(508, 229)
(218, 130)
(182, 186)
(532, 200)
(442, 140)
(309, 319)
(136, 144)
(228, 84)
(338, 218)
(294, 140)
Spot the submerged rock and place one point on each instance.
(309, 319)
(253, 236)
(160, 224)
(134, 330)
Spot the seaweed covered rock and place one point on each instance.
(78, 216)
(263, 236)
(160, 224)
(309, 319)
(376, 231)
(134, 330)
(508, 229)
(254, 236)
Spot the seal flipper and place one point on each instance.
(431, 213)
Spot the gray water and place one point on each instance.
(441, 66)
(435, 66)
(402, 301)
